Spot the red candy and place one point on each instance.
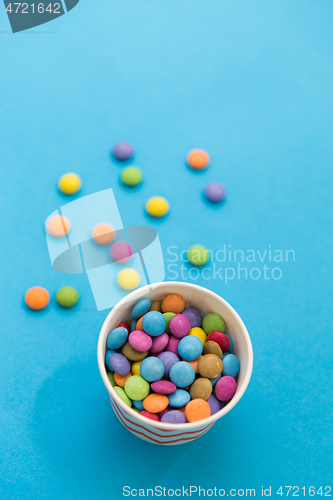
(221, 339)
(124, 325)
(152, 416)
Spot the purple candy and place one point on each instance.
(194, 316)
(168, 359)
(120, 364)
(173, 345)
(214, 403)
(180, 326)
(225, 388)
(163, 387)
(123, 150)
(140, 341)
(174, 417)
(163, 412)
(159, 343)
(215, 191)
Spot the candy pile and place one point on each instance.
(171, 364)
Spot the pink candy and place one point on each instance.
(225, 388)
(121, 252)
(152, 416)
(180, 326)
(163, 387)
(140, 341)
(159, 343)
(173, 345)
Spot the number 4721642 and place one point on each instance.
(296, 491)
(38, 8)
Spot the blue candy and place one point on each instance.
(190, 347)
(179, 398)
(120, 364)
(141, 308)
(174, 417)
(138, 404)
(231, 344)
(108, 355)
(194, 316)
(117, 338)
(154, 323)
(230, 365)
(133, 325)
(168, 358)
(152, 369)
(214, 380)
(181, 374)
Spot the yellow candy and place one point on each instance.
(198, 332)
(157, 206)
(69, 183)
(128, 278)
(136, 368)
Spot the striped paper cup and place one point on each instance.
(206, 302)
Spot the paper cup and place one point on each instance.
(206, 302)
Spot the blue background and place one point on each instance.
(251, 82)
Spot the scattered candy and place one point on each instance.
(157, 206)
(121, 252)
(215, 192)
(198, 255)
(128, 279)
(197, 159)
(103, 234)
(131, 176)
(123, 150)
(58, 226)
(67, 296)
(69, 183)
(167, 369)
(37, 298)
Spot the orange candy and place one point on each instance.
(139, 324)
(174, 303)
(121, 379)
(154, 403)
(197, 409)
(37, 298)
(197, 159)
(103, 234)
(58, 226)
(195, 363)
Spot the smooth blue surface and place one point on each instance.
(252, 83)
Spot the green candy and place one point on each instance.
(136, 387)
(135, 409)
(131, 176)
(198, 255)
(111, 379)
(67, 296)
(122, 395)
(213, 323)
(168, 316)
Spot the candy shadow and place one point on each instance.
(121, 163)
(129, 189)
(196, 172)
(81, 439)
(32, 312)
(155, 220)
(214, 205)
